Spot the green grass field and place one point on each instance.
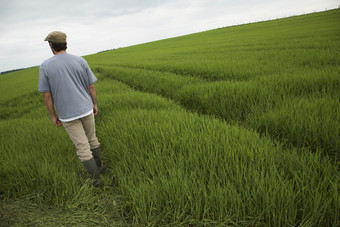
(237, 126)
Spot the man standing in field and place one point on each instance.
(67, 82)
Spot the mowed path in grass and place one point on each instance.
(180, 167)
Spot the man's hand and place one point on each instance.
(50, 106)
(56, 121)
(95, 110)
(94, 99)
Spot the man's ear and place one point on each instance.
(50, 43)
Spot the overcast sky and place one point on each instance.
(93, 26)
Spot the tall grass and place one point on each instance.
(224, 164)
(241, 74)
(176, 167)
(18, 84)
(172, 167)
(240, 52)
(249, 102)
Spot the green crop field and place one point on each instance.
(237, 126)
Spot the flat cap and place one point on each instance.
(56, 37)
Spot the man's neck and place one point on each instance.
(59, 52)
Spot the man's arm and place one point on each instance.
(94, 98)
(50, 106)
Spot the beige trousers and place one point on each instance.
(83, 135)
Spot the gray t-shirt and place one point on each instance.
(68, 78)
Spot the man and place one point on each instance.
(67, 83)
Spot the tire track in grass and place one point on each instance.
(175, 166)
(162, 83)
(246, 103)
(21, 106)
(206, 76)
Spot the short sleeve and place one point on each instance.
(43, 85)
(92, 78)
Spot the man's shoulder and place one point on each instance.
(62, 58)
(67, 55)
(47, 61)
(71, 57)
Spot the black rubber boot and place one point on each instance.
(96, 156)
(93, 171)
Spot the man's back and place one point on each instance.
(67, 84)
(68, 78)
